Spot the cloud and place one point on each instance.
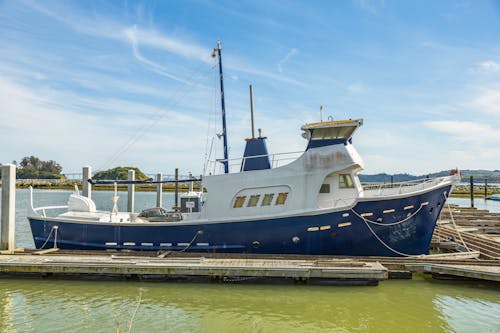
(131, 34)
(370, 6)
(466, 131)
(286, 58)
(486, 67)
(488, 102)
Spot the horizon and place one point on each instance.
(132, 83)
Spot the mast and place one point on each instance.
(224, 128)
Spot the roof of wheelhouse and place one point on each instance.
(336, 123)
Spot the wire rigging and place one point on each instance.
(177, 96)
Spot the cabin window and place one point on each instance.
(268, 199)
(325, 188)
(238, 203)
(332, 133)
(345, 181)
(254, 199)
(280, 200)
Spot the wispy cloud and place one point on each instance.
(466, 131)
(286, 58)
(371, 6)
(488, 102)
(486, 67)
(131, 34)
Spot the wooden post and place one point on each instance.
(176, 206)
(159, 190)
(472, 191)
(86, 186)
(131, 192)
(8, 221)
(485, 188)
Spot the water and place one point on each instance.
(420, 305)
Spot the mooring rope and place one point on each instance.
(166, 252)
(387, 246)
(48, 237)
(387, 225)
(454, 225)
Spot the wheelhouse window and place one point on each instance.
(238, 203)
(280, 200)
(332, 133)
(345, 181)
(325, 188)
(268, 199)
(254, 200)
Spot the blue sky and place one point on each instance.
(111, 83)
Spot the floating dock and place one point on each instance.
(463, 229)
(337, 271)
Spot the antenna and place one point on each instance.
(251, 111)
(320, 114)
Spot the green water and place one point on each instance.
(394, 306)
(419, 305)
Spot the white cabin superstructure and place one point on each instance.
(323, 177)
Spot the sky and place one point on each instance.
(132, 83)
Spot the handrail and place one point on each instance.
(50, 207)
(237, 162)
(402, 187)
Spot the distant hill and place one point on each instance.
(479, 176)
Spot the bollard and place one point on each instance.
(86, 186)
(131, 191)
(472, 191)
(159, 189)
(8, 221)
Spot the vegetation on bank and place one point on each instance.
(119, 173)
(31, 167)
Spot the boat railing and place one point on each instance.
(380, 189)
(42, 211)
(236, 164)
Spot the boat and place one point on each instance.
(495, 197)
(312, 204)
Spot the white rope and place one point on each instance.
(384, 244)
(454, 225)
(48, 237)
(388, 224)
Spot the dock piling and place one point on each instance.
(485, 188)
(86, 186)
(159, 189)
(472, 191)
(8, 221)
(131, 192)
(176, 206)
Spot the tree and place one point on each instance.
(119, 173)
(31, 167)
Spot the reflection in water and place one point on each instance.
(393, 306)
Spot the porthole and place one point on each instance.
(255, 244)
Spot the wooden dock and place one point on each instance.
(442, 271)
(462, 229)
(303, 270)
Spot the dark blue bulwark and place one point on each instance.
(255, 147)
(335, 233)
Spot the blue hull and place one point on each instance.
(337, 233)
